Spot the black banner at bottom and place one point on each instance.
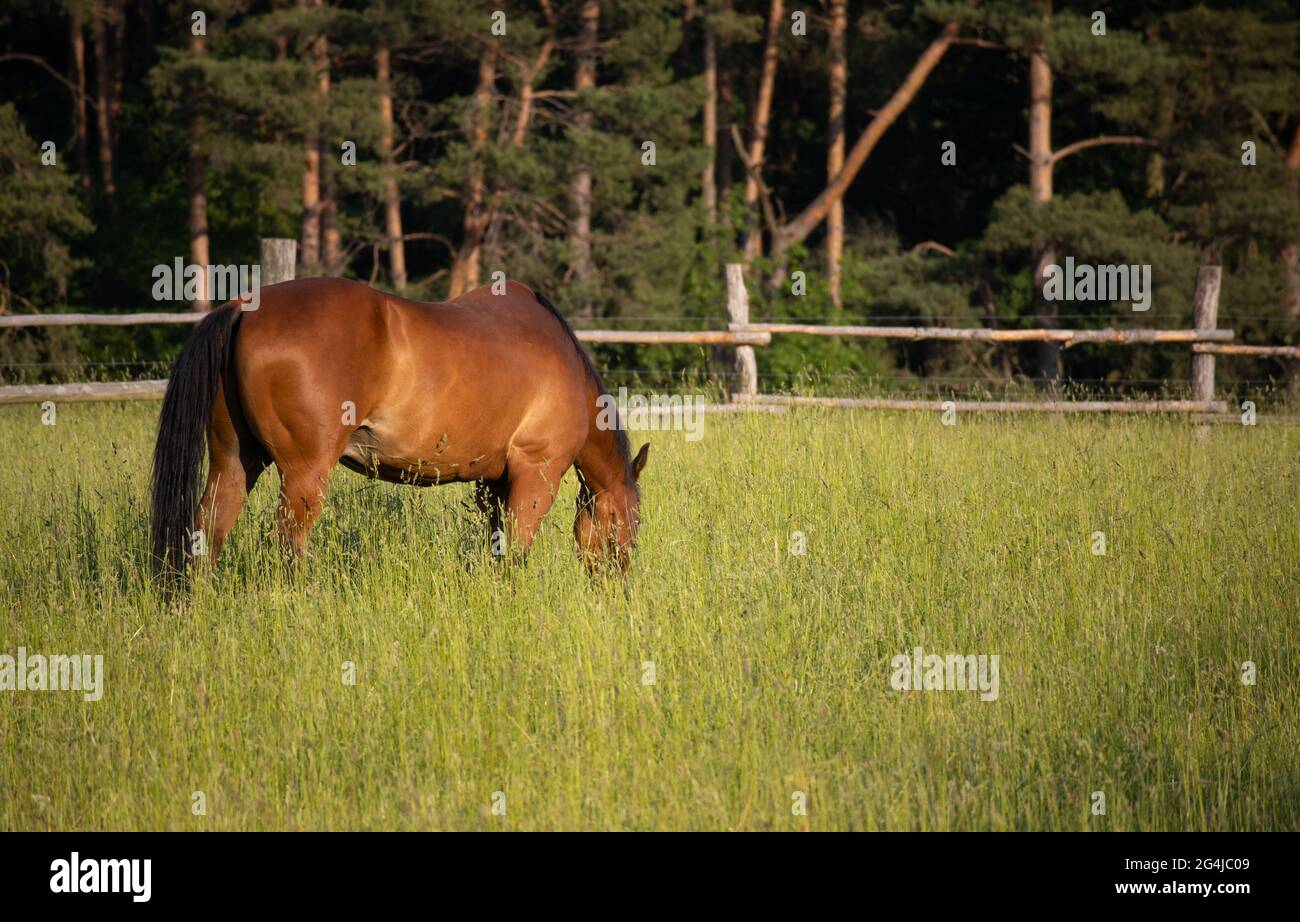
(335, 871)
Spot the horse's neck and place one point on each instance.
(601, 461)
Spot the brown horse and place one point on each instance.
(490, 388)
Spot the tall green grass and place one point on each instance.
(1119, 673)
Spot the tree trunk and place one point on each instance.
(103, 96)
(726, 101)
(310, 231)
(708, 183)
(465, 267)
(331, 242)
(528, 79)
(838, 84)
(1291, 252)
(310, 227)
(580, 185)
(392, 197)
(527, 83)
(1040, 185)
(148, 28)
(753, 246)
(1156, 158)
(281, 45)
(77, 57)
(797, 229)
(118, 51)
(1164, 121)
(198, 192)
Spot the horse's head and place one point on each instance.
(606, 524)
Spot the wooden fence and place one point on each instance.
(1205, 338)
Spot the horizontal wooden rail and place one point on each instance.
(1002, 406)
(984, 334)
(658, 338)
(744, 406)
(98, 320)
(115, 390)
(1292, 352)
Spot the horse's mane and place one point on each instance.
(620, 434)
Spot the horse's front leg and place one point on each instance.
(533, 487)
(235, 460)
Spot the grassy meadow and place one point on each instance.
(525, 688)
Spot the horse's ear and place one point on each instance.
(638, 463)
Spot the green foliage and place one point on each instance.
(1194, 81)
(40, 217)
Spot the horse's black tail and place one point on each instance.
(182, 438)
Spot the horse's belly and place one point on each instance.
(376, 453)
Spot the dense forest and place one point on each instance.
(875, 162)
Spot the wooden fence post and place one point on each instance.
(738, 310)
(279, 259)
(1205, 316)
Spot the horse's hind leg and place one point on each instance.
(302, 495)
(229, 482)
(235, 460)
(305, 438)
